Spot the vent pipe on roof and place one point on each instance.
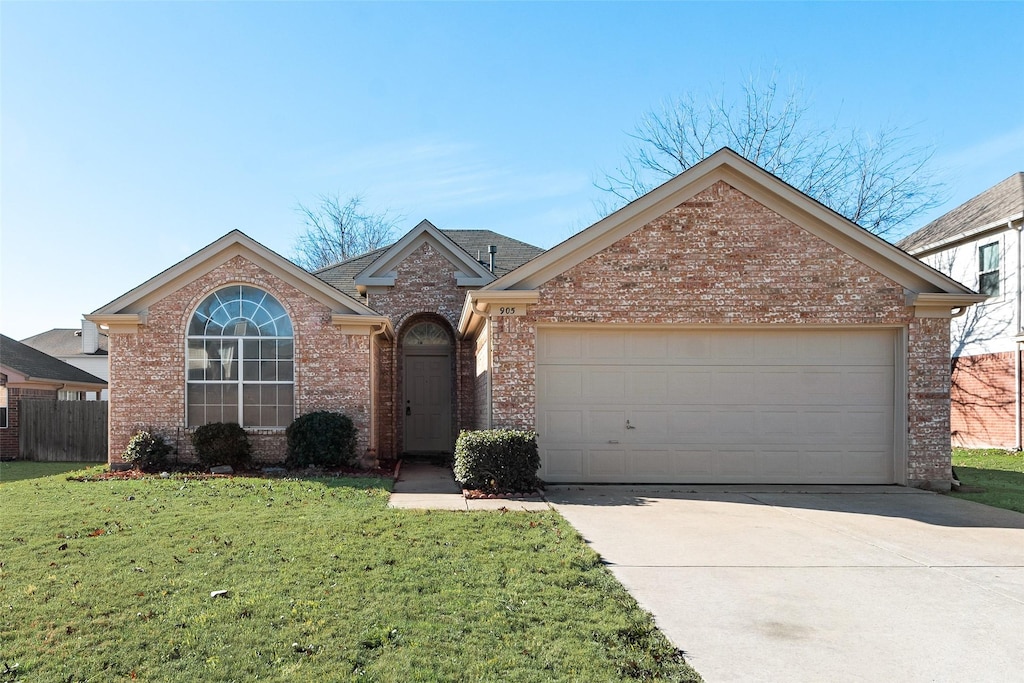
(491, 251)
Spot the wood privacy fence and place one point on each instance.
(63, 430)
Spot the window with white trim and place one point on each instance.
(240, 363)
(988, 269)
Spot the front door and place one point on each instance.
(428, 391)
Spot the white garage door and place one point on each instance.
(716, 406)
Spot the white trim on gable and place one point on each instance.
(130, 308)
(382, 272)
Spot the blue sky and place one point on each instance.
(133, 134)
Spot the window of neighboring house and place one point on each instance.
(240, 360)
(3, 417)
(988, 269)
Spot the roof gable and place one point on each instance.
(382, 271)
(235, 243)
(995, 207)
(33, 364)
(728, 166)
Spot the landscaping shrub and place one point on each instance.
(222, 443)
(147, 451)
(497, 460)
(321, 438)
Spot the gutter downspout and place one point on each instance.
(1017, 348)
(373, 390)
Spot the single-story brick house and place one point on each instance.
(722, 328)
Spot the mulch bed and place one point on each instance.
(386, 470)
(475, 494)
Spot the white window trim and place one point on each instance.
(998, 242)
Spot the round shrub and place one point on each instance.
(321, 438)
(222, 443)
(147, 451)
(497, 460)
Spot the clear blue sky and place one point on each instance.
(134, 134)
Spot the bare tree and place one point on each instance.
(881, 181)
(337, 230)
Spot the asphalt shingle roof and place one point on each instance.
(63, 342)
(510, 255)
(38, 365)
(998, 203)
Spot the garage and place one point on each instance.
(748, 405)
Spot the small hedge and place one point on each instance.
(147, 451)
(222, 443)
(322, 439)
(497, 460)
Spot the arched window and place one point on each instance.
(240, 360)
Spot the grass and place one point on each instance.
(112, 580)
(21, 469)
(998, 474)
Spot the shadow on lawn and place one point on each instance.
(20, 470)
(881, 501)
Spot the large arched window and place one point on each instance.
(240, 360)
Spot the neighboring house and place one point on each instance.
(29, 374)
(85, 348)
(722, 328)
(979, 243)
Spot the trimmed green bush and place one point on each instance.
(321, 438)
(497, 460)
(222, 443)
(147, 451)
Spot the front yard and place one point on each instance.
(990, 476)
(121, 580)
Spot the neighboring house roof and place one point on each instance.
(60, 342)
(927, 287)
(997, 205)
(511, 254)
(36, 365)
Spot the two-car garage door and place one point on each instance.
(716, 406)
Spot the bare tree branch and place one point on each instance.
(881, 181)
(337, 230)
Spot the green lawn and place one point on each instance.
(20, 469)
(998, 475)
(112, 580)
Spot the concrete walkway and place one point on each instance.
(429, 486)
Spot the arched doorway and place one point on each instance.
(427, 388)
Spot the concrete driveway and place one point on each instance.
(830, 584)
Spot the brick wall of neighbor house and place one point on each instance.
(147, 368)
(724, 259)
(983, 401)
(10, 446)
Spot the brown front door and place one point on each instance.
(428, 403)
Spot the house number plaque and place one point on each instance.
(512, 309)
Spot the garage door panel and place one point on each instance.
(564, 463)
(562, 426)
(607, 463)
(688, 385)
(717, 406)
(605, 386)
(603, 425)
(561, 385)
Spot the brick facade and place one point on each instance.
(723, 259)
(984, 401)
(147, 367)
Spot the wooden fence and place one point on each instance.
(73, 431)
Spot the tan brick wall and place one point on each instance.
(147, 368)
(984, 402)
(724, 259)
